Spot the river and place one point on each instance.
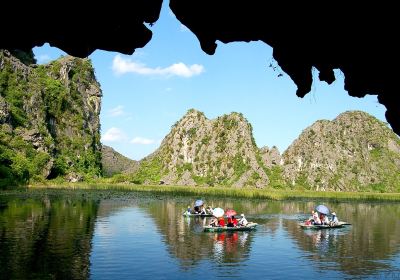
(117, 235)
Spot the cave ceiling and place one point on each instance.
(358, 39)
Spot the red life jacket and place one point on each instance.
(221, 222)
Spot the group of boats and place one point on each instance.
(318, 220)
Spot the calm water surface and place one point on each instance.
(98, 235)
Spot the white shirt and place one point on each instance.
(243, 221)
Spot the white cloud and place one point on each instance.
(117, 111)
(168, 89)
(122, 66)
(142, 141)
(43, 58)
(113, 135)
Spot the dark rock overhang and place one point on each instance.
(358, 39)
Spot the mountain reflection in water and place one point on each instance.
(146, 237)
(364, 248)
(46, 238)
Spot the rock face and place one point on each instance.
(271, 157)
(355, 151)
(49, 120)
(113, 162)
(199, 151)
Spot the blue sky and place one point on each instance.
(146, 93)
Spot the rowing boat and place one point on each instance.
(248, 227)
(186, 214)
(339, 225)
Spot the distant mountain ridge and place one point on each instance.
(354, 152)
(114, 163)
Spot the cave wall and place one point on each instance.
(358, 39)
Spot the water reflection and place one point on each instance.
(148, 238)
(364, 248)
(195, 223)
(230, 247)
(361, 249)
(45, 238)
(326, 241)
(187, 241)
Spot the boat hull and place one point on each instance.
(250, 226)
(339, 225)
(197, 215)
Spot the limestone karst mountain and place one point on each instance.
(354, 152)
(199, 151)
(49, 120)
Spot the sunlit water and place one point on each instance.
(135, 237)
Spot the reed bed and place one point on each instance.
(269, 194)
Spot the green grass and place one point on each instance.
(229, 192)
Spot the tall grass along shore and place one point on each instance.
(250, 193)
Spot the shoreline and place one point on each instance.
(250, 193)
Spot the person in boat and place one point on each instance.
(189, 211)
(243, 222)
(196, 210)
(213, 222)
(232, 222)
(335, 220)
(221, 222)
(324, 219)
(310, 220)
(203, 210)
(209, 210)
(316, 219)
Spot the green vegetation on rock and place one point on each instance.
(354, 152)
(49, 120)
(198, 151)
(115, 163)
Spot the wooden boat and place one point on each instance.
(186, 214)
(339, 225)
(248, 227)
